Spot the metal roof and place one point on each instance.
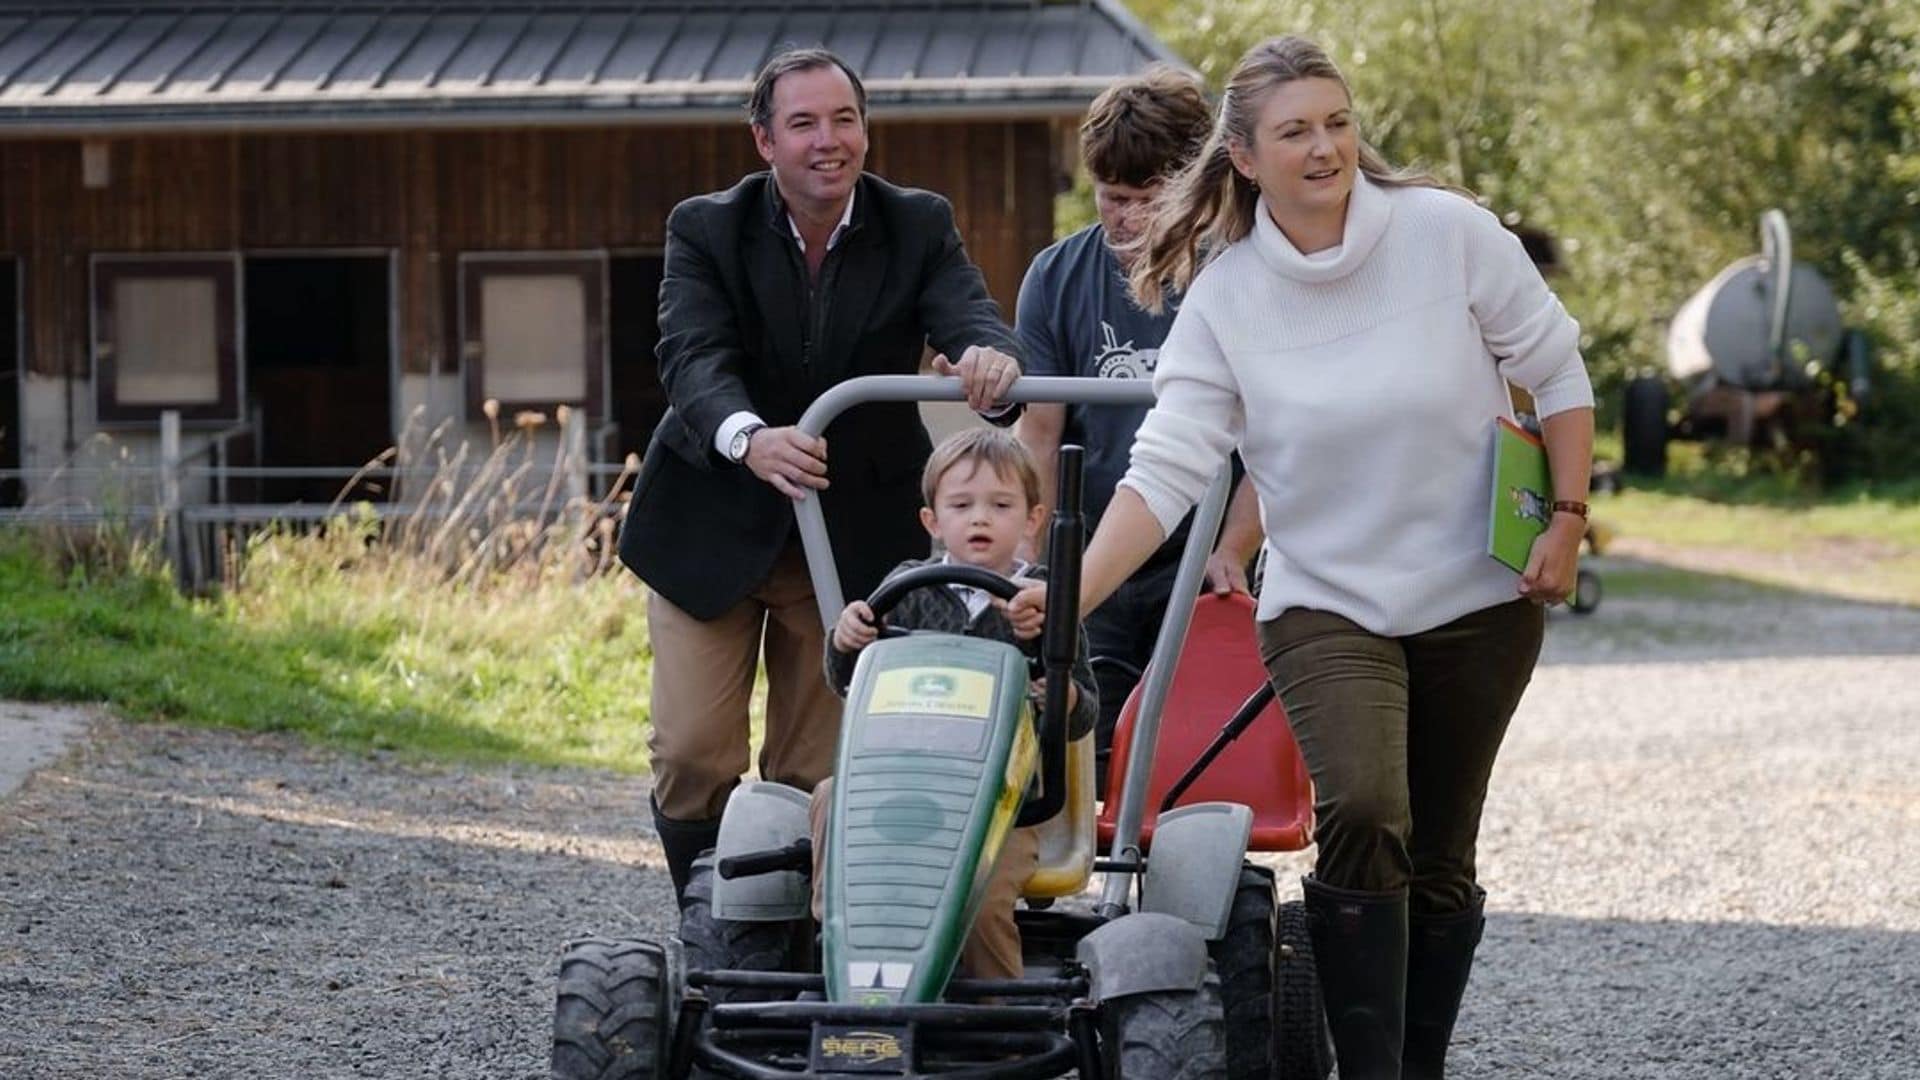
(115, 65)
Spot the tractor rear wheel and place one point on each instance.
(1244, 958)
(716, 944)
(1303, 1049)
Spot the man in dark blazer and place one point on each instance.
(776, 289)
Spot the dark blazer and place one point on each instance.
(734, 336)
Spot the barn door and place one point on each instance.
(320, 368)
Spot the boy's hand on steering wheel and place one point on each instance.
(856, 628)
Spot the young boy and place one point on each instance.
(982, 501)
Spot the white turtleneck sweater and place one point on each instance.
(1361, 386)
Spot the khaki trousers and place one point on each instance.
(703, 673)
(992, 948)
(1399, 735)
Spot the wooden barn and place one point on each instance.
(299, 223)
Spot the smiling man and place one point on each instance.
(776, 289)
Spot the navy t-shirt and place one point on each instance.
(1076, 318)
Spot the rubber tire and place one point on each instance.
(1643, 427)
(1586, 593)
(1244, 958)
(610, 1017)
(714, 944)
(1165, 1035)
(1303, 1048)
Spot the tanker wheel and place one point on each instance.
(1643, 424)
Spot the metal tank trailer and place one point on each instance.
(1758, 353)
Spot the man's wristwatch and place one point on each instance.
(737, 446)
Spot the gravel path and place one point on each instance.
(1698, 848)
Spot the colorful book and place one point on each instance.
(1522, 499)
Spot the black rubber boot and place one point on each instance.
(1439, 956)
(1360, 952)
(683, 842)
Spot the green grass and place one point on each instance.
(1856, 519)
(1771, 524)
(349, 644)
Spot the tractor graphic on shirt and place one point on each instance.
(1120, 360)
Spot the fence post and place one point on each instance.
(170, 525)
(573, 433)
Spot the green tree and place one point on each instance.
(1647, 136)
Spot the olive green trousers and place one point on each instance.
(1400, 735)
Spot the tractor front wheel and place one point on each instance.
(610, 1017)
(1166, 1035)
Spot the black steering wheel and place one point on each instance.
(938, 575)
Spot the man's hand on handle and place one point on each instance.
(985, 372)
(789, 459)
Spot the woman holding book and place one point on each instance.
(1352, 329)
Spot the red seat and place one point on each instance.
(1216, 671)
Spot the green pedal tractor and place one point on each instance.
(940, 757)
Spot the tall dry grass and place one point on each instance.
(510, 516)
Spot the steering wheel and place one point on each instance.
(894, 589)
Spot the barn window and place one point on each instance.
(164, 335)
(533, 330)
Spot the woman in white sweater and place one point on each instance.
(1352, 330)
